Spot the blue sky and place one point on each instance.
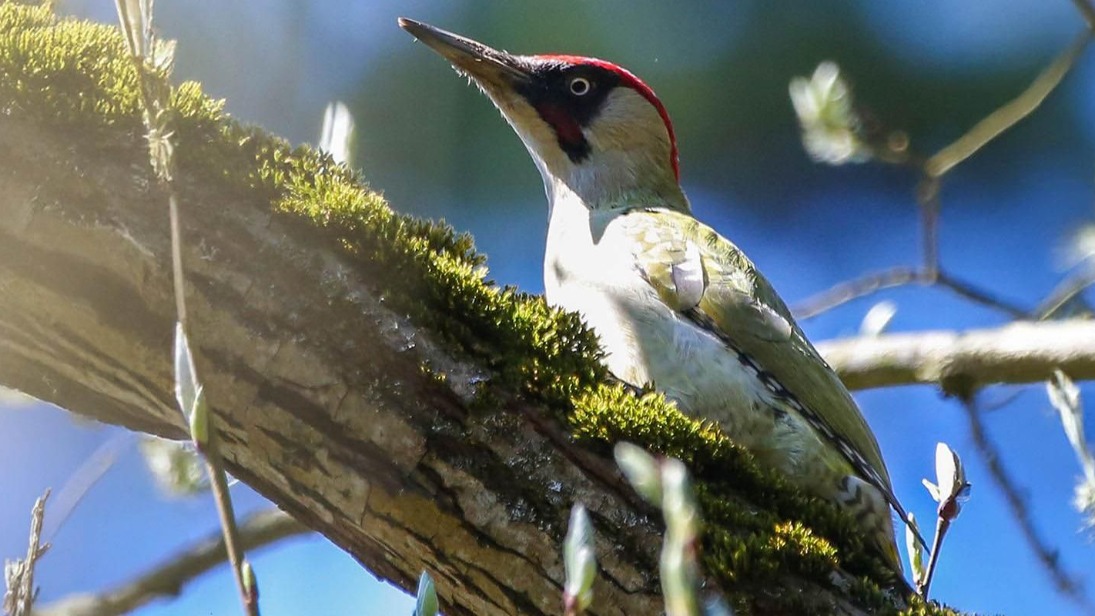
(1005, 216)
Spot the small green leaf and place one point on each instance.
(199, 423)
(186, 378)
(678, 501)
(878, 318)
(679, 577)
(1065, 397)
(175, 465)
(426, 604)
(130, 16)
(830, 125)
(250, 582)
(915, 550)
(163, 57)
(679, 570)
(579, 560)
(641, 470)
(337, 135)
(950, 489)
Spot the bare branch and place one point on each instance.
(932, 170)
(1066, 292)
(76, 487)
(1009, 114)
(1087, 11)
(979, 296)
(959, 361)
(927, 195)
(360, 423)
(863, 286)
(19, 574)
(169, 578)
(950, 490)
(869, 284)
(230, 532)
(1065, 583)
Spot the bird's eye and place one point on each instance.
(580, 86)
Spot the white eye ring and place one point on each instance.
(580, 86)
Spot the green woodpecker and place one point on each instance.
(674, 303)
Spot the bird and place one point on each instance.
(674, 304)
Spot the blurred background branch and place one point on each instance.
(870, 284)
(1047, 556)
(933, 169)
(959, 361)
(170, 578)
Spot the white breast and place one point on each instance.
(590, 269)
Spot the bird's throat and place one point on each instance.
(568, 133)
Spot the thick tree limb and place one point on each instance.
(1022, 352)
(404, 443)
(321, 400)
(168, 579)
(320, 396)
(356, 421)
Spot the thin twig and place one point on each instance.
(19, 575)
(863, 286)
(176, 255)
(933, 169)
(168, 578)
(153, 63)
(217, 475)
(1009, 114)
(869, 284)
(1087, 11)
(219, 484)
(80, 482)
(1065, 584)
(928, 198)
(980, 296)
(941, 526)
(1005, 400)
(1065, 292)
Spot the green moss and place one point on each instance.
(65, 71)
(74, 74)
(920, 607)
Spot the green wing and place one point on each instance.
(704, 276)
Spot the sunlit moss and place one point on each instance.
(919, 607)
(76, 75)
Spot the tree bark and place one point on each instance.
(317, 388)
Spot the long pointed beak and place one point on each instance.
(488, 66)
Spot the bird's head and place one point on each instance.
(593, 128)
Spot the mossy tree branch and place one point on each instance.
(321, 392)
(364, 376)
(340, 410)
